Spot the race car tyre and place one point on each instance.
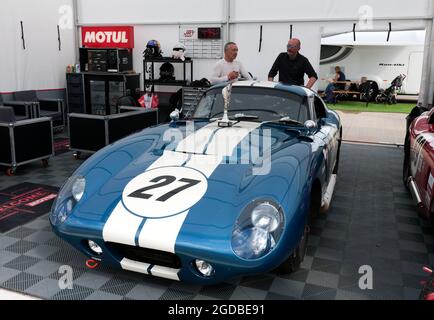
(292, 264)
(45, 163)
(406, 164)
(336, 168)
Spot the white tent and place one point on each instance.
(310, 20)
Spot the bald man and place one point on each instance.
(292, 66)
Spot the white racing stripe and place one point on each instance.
(135, 266)
(196, 143)
(121, 226)
(161, 233)
(164, 272)
(255, 83)
(266, 84)
(226, 140)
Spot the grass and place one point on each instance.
(356, 106)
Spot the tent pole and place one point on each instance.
(423, 92)
(430, 82)
(228, 17)
(76, 28)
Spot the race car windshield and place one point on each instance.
(260, 104)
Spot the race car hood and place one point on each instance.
(144, 189)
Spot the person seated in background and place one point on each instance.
(229, 69)
(334, 85)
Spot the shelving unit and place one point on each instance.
(151, 79)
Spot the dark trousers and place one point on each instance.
(329, 96)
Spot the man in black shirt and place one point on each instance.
(292, 66)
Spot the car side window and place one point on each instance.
(319, 108)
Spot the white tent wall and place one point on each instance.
(136, 12)
(339, 27)
(160, 20)
(41, 65)
(378, 38)
(274, 39)
(327, 10)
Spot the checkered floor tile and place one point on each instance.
(372, 222)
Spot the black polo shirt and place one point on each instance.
(292, 71)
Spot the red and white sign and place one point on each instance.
(108, 37)
(42, 200)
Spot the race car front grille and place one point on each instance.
(153, 257)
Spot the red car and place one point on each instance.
(418, 171)
(428, 289)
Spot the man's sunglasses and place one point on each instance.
(291, 46)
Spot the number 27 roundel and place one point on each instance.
(164, 192)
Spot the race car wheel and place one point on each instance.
(294, 261)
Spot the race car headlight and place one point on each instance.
(70, 194)
(78, 188)
(257, 230)
(266, 216)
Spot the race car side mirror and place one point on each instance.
(174, 116)
(311, 126)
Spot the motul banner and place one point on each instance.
(108, 37)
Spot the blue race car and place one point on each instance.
(229, 192)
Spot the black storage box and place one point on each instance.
(25, 141)
(90, 133)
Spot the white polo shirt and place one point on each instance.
(222, 68)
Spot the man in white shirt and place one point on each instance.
(227, 69)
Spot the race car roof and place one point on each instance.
(302, 91)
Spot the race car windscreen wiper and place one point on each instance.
(238, 117)
(242, 116)
(288, 120)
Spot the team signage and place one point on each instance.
(108, 37)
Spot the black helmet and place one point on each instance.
(167, 71)
(204, 82)
(153, 49)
